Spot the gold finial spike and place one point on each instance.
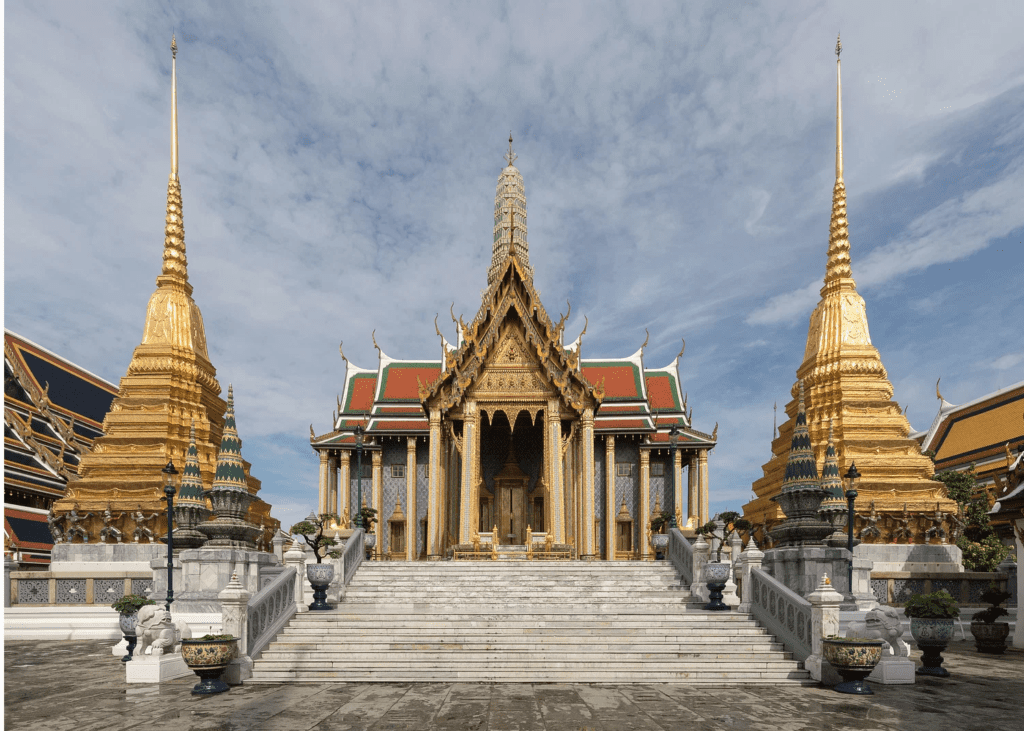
(174, 108)
(510, 156)
(938, 393)
(839, 113)
(175, 264)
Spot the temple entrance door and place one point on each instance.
(511, 511)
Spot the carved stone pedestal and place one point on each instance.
(155, 668)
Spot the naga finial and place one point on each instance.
(373, 336)
(938, 393)
(683, 349)
(342, 351)
(646, 339)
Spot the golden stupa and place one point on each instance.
(170, 384)
(847, 384)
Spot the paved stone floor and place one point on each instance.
(79, 685)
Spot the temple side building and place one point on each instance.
(512, 432)
(53, 412)
(848, 387)
(169, 386)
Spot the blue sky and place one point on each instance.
(338, 164)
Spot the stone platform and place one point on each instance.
(982, 693)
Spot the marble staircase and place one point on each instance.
(523, 621)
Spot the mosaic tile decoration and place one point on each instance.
(975, 588)
(628, 487)
(107, 591)
(392, 488)
(142, 587)
(951, 585)
(880, 588)
(903, 589)
(33, 591)
(599, 499)
(422, 492)
(70, 591)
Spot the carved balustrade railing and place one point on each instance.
(782, 611)
(353, 555)
(680, 553)
(269, 611)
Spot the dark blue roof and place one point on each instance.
(69, 390)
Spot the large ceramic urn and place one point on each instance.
(932, 636)
(320, 576)
(208, 658)
(853, 658)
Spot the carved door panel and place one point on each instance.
(511, 513)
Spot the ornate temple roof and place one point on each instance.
(53, 411)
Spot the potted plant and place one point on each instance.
(369, 517)
(659, 540)
(208, 656)
(716, 573)
(853, 658)
(931, 624)
(127, 608)
(990, 635)
(320, 574)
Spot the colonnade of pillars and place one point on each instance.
(337, 468)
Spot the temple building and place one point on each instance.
(169, 386)
(53, 412)
(511, 435)
(846, 386)
(987, 434)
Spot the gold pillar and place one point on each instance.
(411, 527)
(377, 490)
(588, 544)
(609, 497)
(469, 510)
(557, 495)
(345, 484)
(433, 537)
(692, 501)
(677, 487)
(322, 502)
(705, 510)
(644, 517)
(332, 483)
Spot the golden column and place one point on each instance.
(677, 485)
(705, 508)
(555, 475)
(644, 518)
(332, 483)
(377, 488)
(322, 504)
(468, 510)
(410, 499)
(345, 486)
(609, 497)
(692, 501)
(588, 545)
(433, 537)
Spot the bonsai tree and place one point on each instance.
(130, 603)
(312, 531)
(982, 550)
(937, 605)
(665, 519)
(994, 597)
(369, 516)
(733, 525)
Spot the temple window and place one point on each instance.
(657, 469)
(624, 469)
(398, 470)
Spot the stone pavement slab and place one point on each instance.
(77, 685)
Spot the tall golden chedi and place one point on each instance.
(170, 384)
(846, 382)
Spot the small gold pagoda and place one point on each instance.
(170, 385)
(847, 386)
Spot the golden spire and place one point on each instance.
(175, 266)
(839, 236)
(510, 156)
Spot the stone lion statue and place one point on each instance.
(882, 623)
(156, 630)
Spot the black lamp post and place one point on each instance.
(673, 440)
(170, 478)
(852, 475)
(360, 433)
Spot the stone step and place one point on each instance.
(709, 648)
(700, 676)
(571, 629)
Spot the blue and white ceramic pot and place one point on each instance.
(320, 576)
(716, 574)
(932, 636)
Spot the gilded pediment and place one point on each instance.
(510, 347)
